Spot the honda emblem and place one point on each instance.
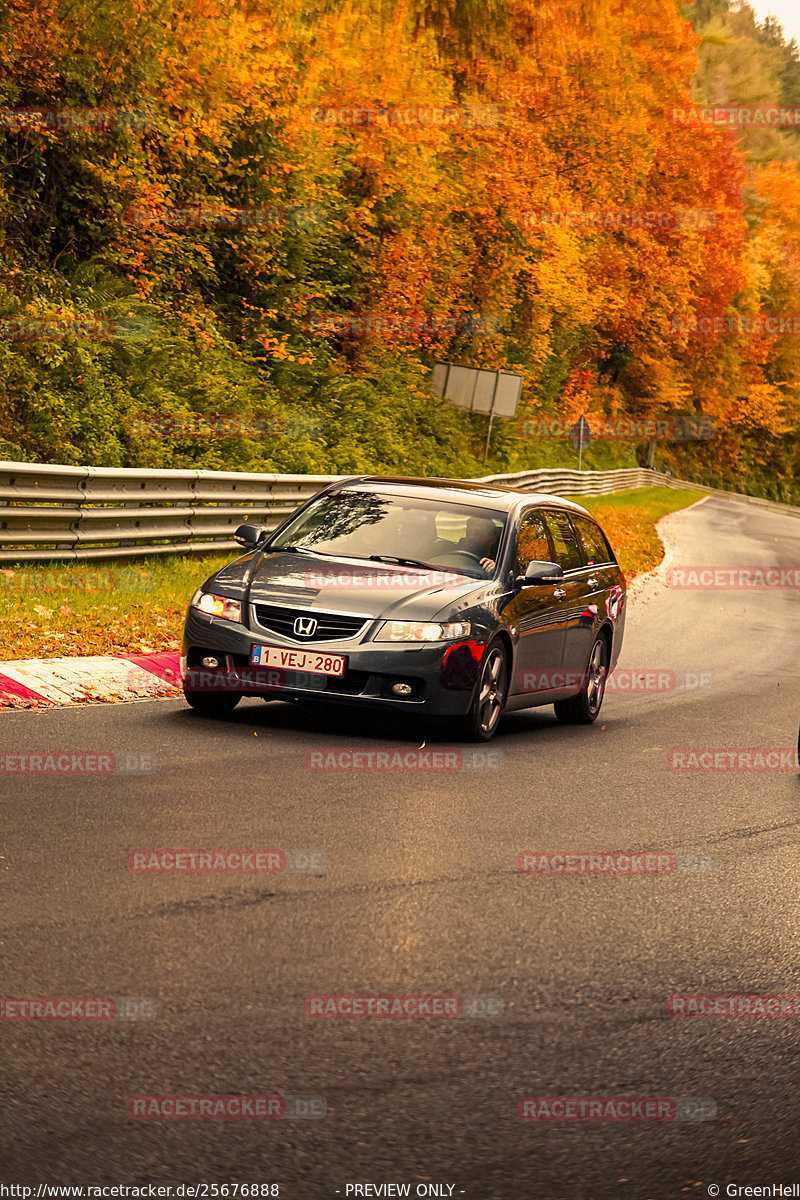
(305, 626)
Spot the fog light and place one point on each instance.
(210, 661)
(402, 689)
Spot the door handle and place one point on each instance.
(592, 583)
(559, 593)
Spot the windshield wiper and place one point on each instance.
(403, 562)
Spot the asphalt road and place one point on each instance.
(422, 895)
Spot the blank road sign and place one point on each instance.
(506, 399)
(484, 391)
(460, 386)
(438, 379)
(478, 390)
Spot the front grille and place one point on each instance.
(330, 626)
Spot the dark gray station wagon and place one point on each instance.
(434, 596)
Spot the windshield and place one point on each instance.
(406, 529)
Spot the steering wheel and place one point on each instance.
(456, 559)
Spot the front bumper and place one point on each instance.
(441, 675)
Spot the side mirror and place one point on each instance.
(250, 535)
(539, 574)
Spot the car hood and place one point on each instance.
(350, 585)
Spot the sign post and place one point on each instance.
(476, 389)
(581, 436)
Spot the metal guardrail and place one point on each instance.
(55, 513)
(61, 513)
(563, 482)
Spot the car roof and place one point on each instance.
(480, 495)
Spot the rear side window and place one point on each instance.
(595, 546)
(565, 541)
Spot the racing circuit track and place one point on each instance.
(422, 894)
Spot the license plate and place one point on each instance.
(298, 660)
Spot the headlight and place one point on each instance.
(217, 606)
(413, 631)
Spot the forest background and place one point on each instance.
(238, 235)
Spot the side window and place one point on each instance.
(595, 546)
(532, 541)
(565, 541)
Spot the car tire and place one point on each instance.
(489, 698)
(212, 704)
(584, 708)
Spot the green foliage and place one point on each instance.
(204, 319)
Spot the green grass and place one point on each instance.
(629, 519)
(655, 502)
(55, 610)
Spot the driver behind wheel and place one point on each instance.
(480, 540)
